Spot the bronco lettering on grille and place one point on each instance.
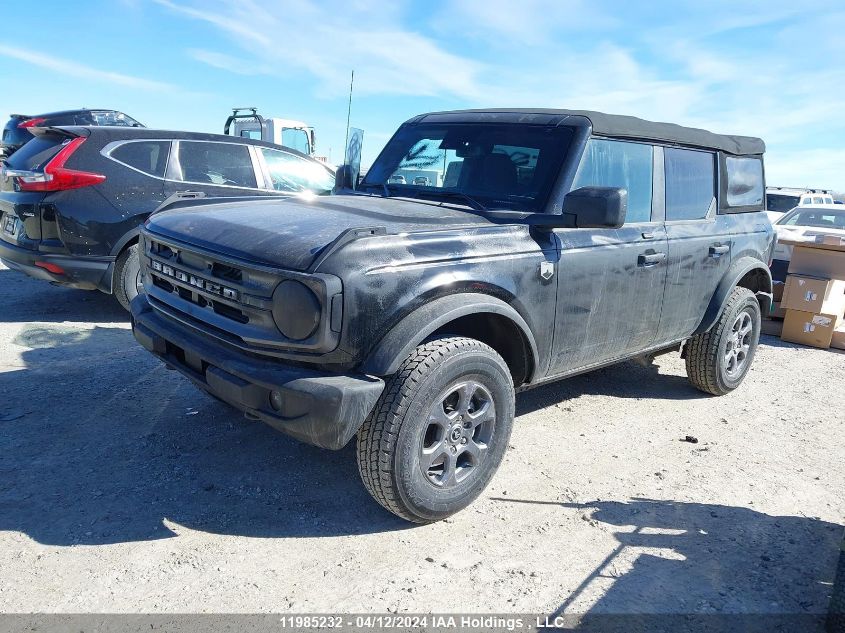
(198, 282)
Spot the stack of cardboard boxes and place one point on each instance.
(812, 301)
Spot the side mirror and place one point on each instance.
(596, 207)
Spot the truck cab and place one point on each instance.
(290, 133)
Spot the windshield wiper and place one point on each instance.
(472, 202)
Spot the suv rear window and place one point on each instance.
(781, 203)
(36, 152)
(149, 157)
(745, 181)
(14, 135)
(227, 164)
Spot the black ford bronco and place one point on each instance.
(518, 247)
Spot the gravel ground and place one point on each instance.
(125, 489)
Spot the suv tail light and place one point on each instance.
(32, 122)
(57, 177)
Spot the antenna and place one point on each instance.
(348, 115)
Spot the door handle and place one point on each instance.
(650, 259)
(719, 249)
(648, 235)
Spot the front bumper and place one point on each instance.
(315, 407)
(86, 273)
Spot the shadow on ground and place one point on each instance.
(626, 380)
(25, 299)
(99, 443)
(695, 566)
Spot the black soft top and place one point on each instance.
(613, 125)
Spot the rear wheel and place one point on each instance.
(718, 360)
(127, 276)
(439, 431)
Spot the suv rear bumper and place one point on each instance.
(85, 273)
(318, 408)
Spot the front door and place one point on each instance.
(611, 281)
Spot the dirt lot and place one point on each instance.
(124, 489)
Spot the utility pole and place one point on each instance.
(348, 116)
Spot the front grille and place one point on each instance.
(230, 299)
(229, 273)
(217, 294)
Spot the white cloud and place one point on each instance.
(75, 69)
(741, 69)
(806, 168)
(231, 64)
(504, 23)
(330, 39)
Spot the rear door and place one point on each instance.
(700, 240)
(215, 168)
(611, 281)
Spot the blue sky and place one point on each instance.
(768, 68)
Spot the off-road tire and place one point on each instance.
(391, 440)
(126, 271)
(704, 351)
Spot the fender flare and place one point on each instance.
(384, 359)
(734, 274)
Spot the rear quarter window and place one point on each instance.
(745, 184)
(149, 157)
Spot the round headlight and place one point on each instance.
(296, 310)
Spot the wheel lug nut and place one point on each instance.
(463, 440)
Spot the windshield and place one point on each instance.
(494, 166)
(816, 218)
(781, 203)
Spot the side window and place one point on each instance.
(253, 134)
(228, 164)
(745, 181)
(293, 173)
(149, 157)
(620, 164)
(817, 200)
(295, 139)
(690, 183)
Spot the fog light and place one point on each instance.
(276, 400)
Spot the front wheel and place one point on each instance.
(127, 276)
(718, 360)
(439, 431)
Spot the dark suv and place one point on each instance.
(18, 128)
(72, 199)
(541, 244)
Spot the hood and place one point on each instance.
(290, 233)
